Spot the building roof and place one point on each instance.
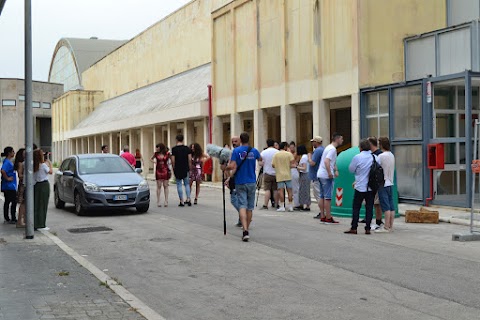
(183, 89)
(86, 52)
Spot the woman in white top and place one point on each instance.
(385, 194)
(304, 181)
(41, 170)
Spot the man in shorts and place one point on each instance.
(269, 179)
(283, 161)
(314, 163)
(243, 163)
(228, 176)
(376, 203)
(327, 171)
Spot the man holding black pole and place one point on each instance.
(243, 164)
(229, 177)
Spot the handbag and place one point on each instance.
(231, 182)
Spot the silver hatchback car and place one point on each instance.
(94, 181)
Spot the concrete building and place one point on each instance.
(287, 70)
(12, 112)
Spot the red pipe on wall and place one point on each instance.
(210, 114)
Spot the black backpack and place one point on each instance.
(376, 178)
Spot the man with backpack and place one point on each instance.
(367, 172)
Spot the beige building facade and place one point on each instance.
(12, 112)
(281, 69)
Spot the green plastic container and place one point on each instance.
(342, 199)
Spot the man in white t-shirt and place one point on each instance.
(327, 171)
(387, 161)
(269, 179)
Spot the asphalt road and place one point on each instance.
(179, 263)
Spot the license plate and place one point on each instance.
(120, 197)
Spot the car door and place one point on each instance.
(59, 181)
(69, 180)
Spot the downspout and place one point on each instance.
(210, 114)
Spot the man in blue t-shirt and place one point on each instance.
(243, 166)
(314, 162)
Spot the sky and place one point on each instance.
(55, 19)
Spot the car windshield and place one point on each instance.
(103, 165)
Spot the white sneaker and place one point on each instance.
(44, 229)
(381, 230)
(374, 226)
(281, 209)
(290, 208)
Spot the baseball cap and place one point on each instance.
(317, 139)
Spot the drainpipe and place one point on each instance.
(210, 114)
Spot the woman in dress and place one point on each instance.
(20, 168)
(138, 159)
(162, 171)
(9, 186)
(196, 170)
(295, 177)
(41, 169)
(304, 181)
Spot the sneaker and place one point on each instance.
(318, 216)
(181, 205)
(323, 220)
(245, 236)
(11, 222)
(281, 209)
(381, 230)
(299, 208)
(290, 209)
(44, 229)
(264, 208)
(239, 224)
(305, 209)
(331, 221)
(376, 227)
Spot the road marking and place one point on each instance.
(123, 293)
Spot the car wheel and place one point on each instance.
(59, 204)
(143, 209)
(79, 210)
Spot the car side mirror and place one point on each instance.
(68, 173)
(138, 170)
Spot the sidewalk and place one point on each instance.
(459, 216)
(40, 281)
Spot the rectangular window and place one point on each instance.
(407, 111)
(35, 104)
(21, 97)
(377, 113)
(408, 161)
(46, 105)
(9, 103)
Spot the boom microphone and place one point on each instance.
(223, 154)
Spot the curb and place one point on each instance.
(123, 293)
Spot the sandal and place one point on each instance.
(195, 201)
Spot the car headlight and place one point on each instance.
(91, 187)
(143, 185)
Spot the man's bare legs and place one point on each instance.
(321, 205)
(245, 218)
(327, 207)
(268, 195)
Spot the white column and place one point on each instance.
(236, 124)
(288, 123)
(260, 127)
(120, 144)
(110, 141)
(169, 136)
(321, 120)
(355, 119)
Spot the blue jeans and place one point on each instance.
(386, 199)
(246, 195)
(186, 182)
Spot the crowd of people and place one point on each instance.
(186, 162)
(289, 174)
(13, 186)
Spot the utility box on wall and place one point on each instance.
(436, 156)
